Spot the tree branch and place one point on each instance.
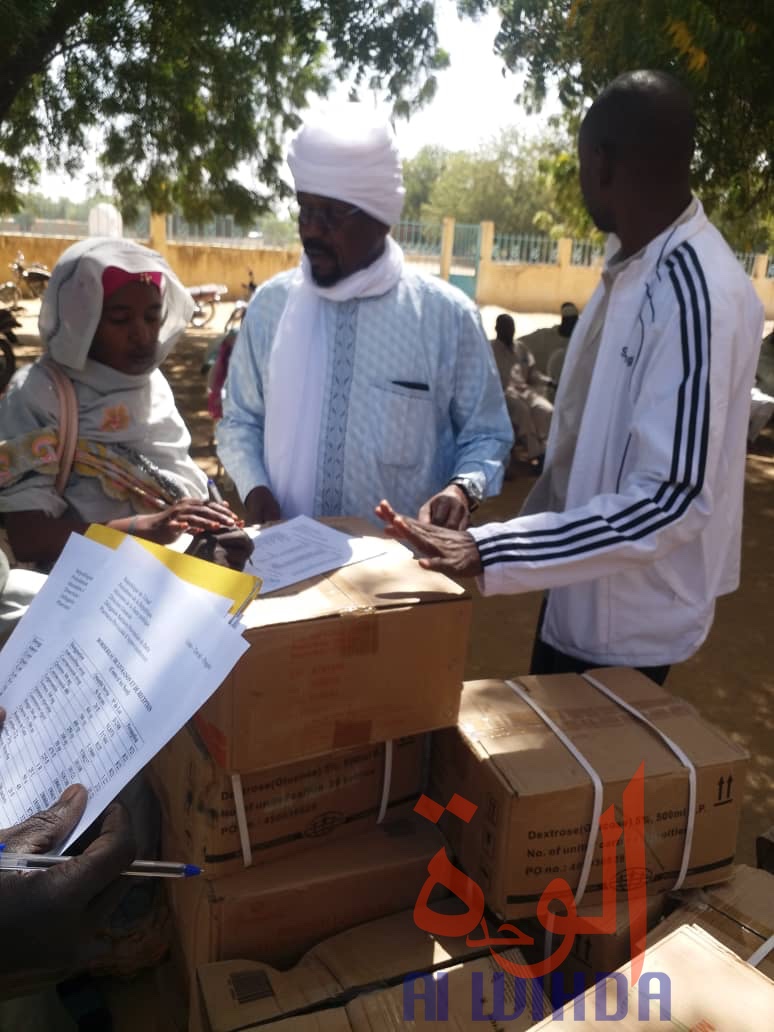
(34, 56)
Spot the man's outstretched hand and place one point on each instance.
(453, 552)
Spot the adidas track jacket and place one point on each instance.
(651, 531)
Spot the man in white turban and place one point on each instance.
(355, 377)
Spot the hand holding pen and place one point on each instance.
(139, 869)
(46, 914)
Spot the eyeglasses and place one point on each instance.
(328, 218)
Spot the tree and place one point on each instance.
(502, 182)
(722, 49)
(183, 94)
(420, 174)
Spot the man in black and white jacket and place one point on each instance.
(635, 525)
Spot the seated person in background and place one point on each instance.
(563, 332)
(522, 382)
(545, 342)
(111, 314)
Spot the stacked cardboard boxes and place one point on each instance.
(367, 654)
(295, 790)
(739, 913)
(294, 786)
(535, 797)
(527, 754)
(387, 971)
(690, 981)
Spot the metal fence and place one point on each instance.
(220, 230)
(586, 252)
(467, 242)
(524, 249)
(68, 228)
(226, 232)
(418, 238)
(747, 260)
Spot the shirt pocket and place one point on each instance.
(401, 420)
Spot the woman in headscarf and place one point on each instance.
(111, 314)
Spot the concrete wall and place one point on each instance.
(34, 249)
(193, 263)
(521, 288)
(544, 288)
(535, 288)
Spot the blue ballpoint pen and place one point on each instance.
(139, 869)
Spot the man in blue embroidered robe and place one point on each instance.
(354, 377)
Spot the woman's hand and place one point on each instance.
(189, 515)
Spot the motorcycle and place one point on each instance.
(205, 299)
(234, 321)
(32, 279)
(8, 323)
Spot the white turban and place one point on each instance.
(350, 154)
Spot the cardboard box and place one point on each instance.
(286, 809)
(463, 997)
(369, 653)
(535, 799)
(739, 913)
(237, 993)
(480, 995)
(592, 956)
(276, 912)
(690, 981)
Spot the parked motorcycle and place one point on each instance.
(8, 323)
(31, 280)
(205, 299)
(234, 321)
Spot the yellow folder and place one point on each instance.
(240, 587)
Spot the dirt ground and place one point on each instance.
(730, 680)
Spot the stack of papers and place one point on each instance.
(118, 650)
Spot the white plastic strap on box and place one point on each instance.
(386, 782)
(681, 755)
(241, 816)
(595, 780)
(761, 953)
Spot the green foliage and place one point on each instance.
(559, 165)
(722, 49)
(183, 94)
(420, 174)
(503, 181)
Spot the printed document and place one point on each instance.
(303, 547)
(115, 654)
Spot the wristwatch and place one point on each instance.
(470, 489)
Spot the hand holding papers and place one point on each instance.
(115, 654)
